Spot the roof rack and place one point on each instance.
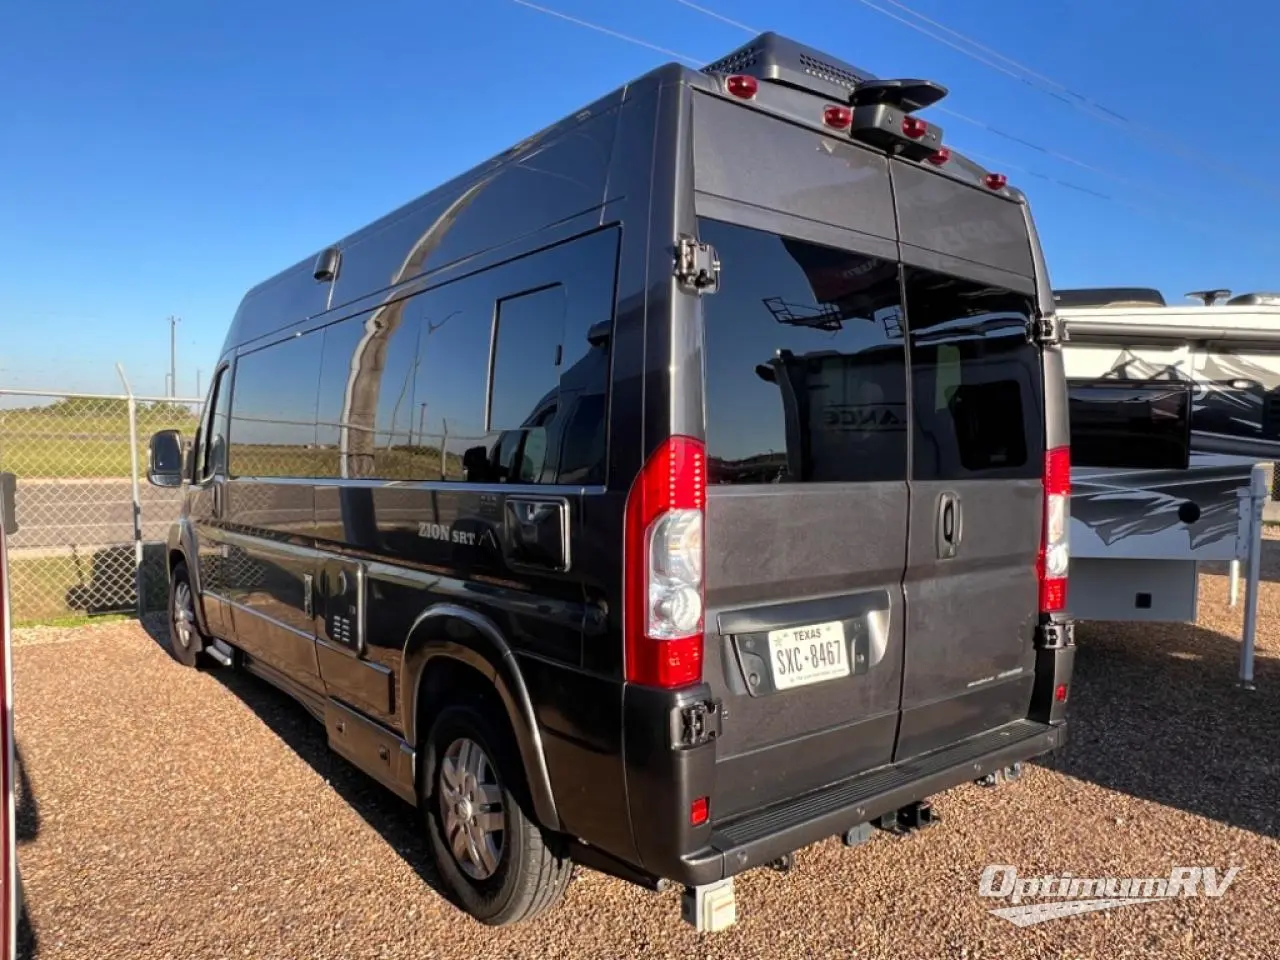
(1109, 297)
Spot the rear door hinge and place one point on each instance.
(1055, 636)
(697, 723)
(1049, 329)
(697, 265)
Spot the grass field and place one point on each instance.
(70, 587)
(88, 438)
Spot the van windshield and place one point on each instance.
(806, 368)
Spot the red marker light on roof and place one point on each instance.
(941, 157)
(995, 181)
(837, 116)
(741, 86)
(914, 127)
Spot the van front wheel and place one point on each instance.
(186, 642)
(499, 864)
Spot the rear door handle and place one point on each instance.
(949, 526)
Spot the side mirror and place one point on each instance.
(164, 462)
(600, 333)
(8, 504)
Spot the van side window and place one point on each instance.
(369, 419)
(273, 410)
(445, 384)
(976, 380)
(805, 363)
(528, 341)
(211, 445)
(455, 344)
(530, 346)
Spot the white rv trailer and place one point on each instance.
(1173, 410)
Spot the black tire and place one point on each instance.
(186, 646)
(532, 872)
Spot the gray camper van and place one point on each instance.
(675, 490)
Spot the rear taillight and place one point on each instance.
(1055, 547)
(663, 554)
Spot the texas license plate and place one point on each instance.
(804, 655)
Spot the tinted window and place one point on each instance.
(214, 445)
(368, 411)
(455, 343)
(273, 410)
(805, 362)
(976, 379)
(582, 441)
(201, 440)
(543, 312)
(405, 389)
(528, 341)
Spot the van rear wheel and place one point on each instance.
(186, 642)
(501, 867)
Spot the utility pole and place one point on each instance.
(173, 356)
(198, 393)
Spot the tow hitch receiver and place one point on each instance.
(914, 816)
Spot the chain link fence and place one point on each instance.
(91, 530)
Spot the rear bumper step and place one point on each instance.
(760, 838)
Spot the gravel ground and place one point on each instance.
(170, 813)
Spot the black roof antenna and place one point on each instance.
(1210, 297)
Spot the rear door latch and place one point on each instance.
(697, 723)
(697, 266)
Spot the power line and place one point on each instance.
(718, 16)
(1059, 90)
(1055, 154)
(608, 32)
(1078, 188)
(982, 125)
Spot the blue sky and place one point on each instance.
(159, 158)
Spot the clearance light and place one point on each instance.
(941, 157)
(742, 87)
(838, 117)
(995, 181)
(914, 127)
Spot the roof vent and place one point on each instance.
(1109, 297)
(1255, 300)
(773, 58)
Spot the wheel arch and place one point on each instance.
(180, 548)
(448, 636)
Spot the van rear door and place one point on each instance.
(805, 396)
(977, 460)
